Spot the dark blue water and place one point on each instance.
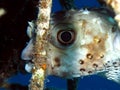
(78, 4)
(87, 83)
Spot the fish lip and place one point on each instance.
(27, 52)
(28, 58)
(28, 66)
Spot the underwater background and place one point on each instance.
(13, 38)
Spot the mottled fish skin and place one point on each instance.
(94, 49)
(81, 43)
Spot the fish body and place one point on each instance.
(81, 43)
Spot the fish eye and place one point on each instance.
(65, 37)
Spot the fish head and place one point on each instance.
(81, 43)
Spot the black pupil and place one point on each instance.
(66, 36)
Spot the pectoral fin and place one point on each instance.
(113, 74)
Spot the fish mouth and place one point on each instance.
(28, 62)
(28, 66)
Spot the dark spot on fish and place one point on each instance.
(52, 68)
(116, 72)
(116, 69)
(108, 66)
(89, 56)
(49, 49)
(57, 61)
(89, 72)
(101, 56)
(114, 63)
(95, 65)
(81, 62)
(97, 40)
(82, 69)
(114, 28)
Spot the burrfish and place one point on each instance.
(80, 43)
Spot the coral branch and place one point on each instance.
(39, 59)
(115, 4)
